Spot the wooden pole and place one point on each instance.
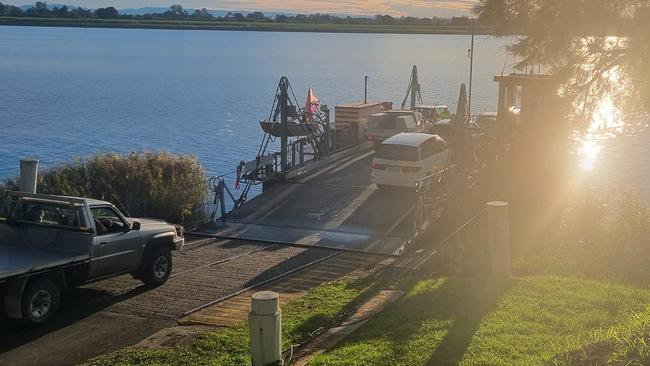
(499, 234)
(28, 175)
(265, 326)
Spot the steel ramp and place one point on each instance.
(336, 207)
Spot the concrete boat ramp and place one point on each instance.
(334, 205)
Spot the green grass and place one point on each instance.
(472, 322)
(320, 307)
(244, 26)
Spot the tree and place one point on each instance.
(597, 47)
(202, 14)
(176, 11)
(40, 9)
(3, 8)
(384, 19)
(61, 12)
(256, 16)
(460, 21)
(80, 12)
(107, 13)
(13, 11)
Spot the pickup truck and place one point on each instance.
(50, 243)
(390, 123)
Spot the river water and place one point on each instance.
(72, 92)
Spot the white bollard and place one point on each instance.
(499, 234)
(28, 175)
(265, 324)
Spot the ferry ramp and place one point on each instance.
(334, 206)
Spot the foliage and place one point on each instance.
(596, 47)
(320, 307)
(177, 12)
(158, 185)
(471, 321)
(601, 235)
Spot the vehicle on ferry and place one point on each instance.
(434, 113)
(389, 123)
(404, 159)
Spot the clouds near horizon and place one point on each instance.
(418, 8)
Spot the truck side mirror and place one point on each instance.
(136, 225)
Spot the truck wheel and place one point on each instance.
(159, 267)
(40, 302)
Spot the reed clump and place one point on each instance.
(145, 184)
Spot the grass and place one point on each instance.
(469, 321)
(320, 307)
(242, 26)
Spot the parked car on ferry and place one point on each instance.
(389, 123)
(434, 113)
(404, 159)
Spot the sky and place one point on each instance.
(418, 8)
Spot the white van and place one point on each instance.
(403, 159)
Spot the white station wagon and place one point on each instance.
(402, 160)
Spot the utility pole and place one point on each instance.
(471, 68)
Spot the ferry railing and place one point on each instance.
(264, 168)
(430, 190)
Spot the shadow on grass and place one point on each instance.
(469, 311)
(432, 324)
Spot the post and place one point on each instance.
(328, 128)
(471, 69)
(222, 197)
(499, 234)
(365, 93)
(28, 175)
(265, 325)
(284, 122)
(301, 151)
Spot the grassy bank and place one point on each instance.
(320, 307)
(239, 26)
(529, 321)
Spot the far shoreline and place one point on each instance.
(307, 27)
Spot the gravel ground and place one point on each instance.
(108, 315)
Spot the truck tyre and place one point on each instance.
(157, 270)
(40, 301)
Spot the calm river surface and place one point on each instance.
(71, 92)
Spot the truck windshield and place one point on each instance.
(397, 152)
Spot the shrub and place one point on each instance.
(160, 185)
(604, 235)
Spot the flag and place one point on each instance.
(311, 106)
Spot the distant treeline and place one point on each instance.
(41, 9)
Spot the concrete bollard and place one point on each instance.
(265, 325)
(499, 234)
(28, 175)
